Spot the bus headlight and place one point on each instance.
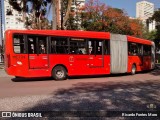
(19, 62)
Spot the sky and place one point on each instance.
(128, 5)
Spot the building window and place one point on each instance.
(9, 12)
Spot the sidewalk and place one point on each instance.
(1, 65)
(3, 73)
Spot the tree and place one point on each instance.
(151, 35)
(75, 17)
(67, 13)
(34, 14)
(136, 27)
(100, 17)
(156, 17)
(54, 4)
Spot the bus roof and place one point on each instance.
(139, 40)
(71, 33)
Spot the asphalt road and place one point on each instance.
(112, 92)
(14, 87)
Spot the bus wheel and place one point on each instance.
(59, 73)
(133, 70)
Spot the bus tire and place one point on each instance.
(59, 73)
(133, 70)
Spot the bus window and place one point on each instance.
(78, 46)
(59, 45)
(42, 43)
(98, 47)
(32, 45)
(53, 45)
(19, 46)
(37, 44)
(134, 49)
(147, 50)
(106, 47)
(140, 49)
(95, 47)
(91, 47)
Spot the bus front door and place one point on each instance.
(38, 55)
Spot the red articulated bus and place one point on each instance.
(62, 53)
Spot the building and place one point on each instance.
(151, 25)
(12, 17)
(144, 10)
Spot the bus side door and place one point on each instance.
(37, 52)
(96, 55)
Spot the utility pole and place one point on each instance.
(1, 27)
(1, 34)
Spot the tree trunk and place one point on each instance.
(67, 13)
(54, 14)
(24, 10)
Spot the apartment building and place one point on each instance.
(144, 10)
(12, 17)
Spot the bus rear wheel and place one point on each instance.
(59, 73)
(133, 70)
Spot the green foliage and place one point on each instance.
(150, 35)
(156, 17)
(71, 23)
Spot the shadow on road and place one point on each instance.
(156, 71)
(122, 96)
(20, 79)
